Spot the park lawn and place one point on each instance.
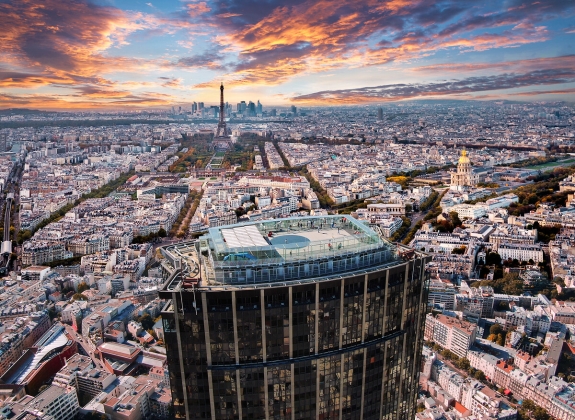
(548, 165)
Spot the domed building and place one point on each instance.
(465, 176)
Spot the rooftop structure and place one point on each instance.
(277, 251)
(43, 360)
(304, 301)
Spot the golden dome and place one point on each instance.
(463, 158)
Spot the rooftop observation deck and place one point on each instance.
(276, 251)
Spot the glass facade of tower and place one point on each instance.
(333, 347)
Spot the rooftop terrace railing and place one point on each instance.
(317, 265)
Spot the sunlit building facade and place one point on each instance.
(297, 318)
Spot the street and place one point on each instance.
(85, 348)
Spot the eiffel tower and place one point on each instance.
(222, 130)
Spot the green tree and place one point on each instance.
(23, 235)
(162, 233)
(479, 375)
(558, 280)
(512, 284)
(540, 414)
(459, 251)
(79, 296)
(146, 321)
(82, 287)
(528, 405)
(463, 364)
(455, 219)
(495, 329)
(493, 258)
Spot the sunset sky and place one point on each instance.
(126, 54)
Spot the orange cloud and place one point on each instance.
(64, 44)
(315, 36)
(71, 45)
(197, 9)
(93, 100)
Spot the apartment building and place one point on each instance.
(59, 402)
(475, 301)
(483, 361)
(485, 404)
(517, 381)
(502, 372)
(220, 218)
(561, 312)
(442, 294)
(81, 373)
(38, 253)
(511, 234)
(469, 211)
(89, 245)
(531, 321)
(521, 252)
(451, 333)
(141, 398)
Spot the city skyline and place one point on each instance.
(63, 55)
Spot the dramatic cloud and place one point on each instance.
(96, 53)
(64, 38)
(276, 40)
(87, 102)
(395, 92)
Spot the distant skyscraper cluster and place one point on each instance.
(250, 109)
(242, 109)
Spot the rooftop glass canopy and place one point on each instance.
(291, 248)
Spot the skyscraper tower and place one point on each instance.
(222, 131)
(380, 114)
(251, 109)
(295, 318)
